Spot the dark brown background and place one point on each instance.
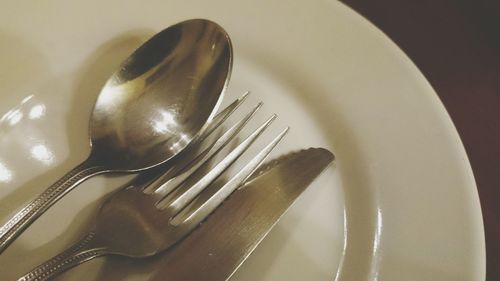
(456, 45)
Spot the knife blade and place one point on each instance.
(215, 250)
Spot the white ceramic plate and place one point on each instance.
(399, 204)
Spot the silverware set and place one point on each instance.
(156, 116)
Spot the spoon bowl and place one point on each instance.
(159, 100)
(161, 96)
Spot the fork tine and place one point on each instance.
(222, 193)
(187, 196)
(223, 115)
(169, 185)
(214, 124)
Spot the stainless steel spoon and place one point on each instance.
(148, 111)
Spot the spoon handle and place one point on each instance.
(27, 215)
(80, 252)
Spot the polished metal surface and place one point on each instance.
(141, 220)
(221, 244)
(148, 111)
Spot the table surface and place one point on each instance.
(456, 45)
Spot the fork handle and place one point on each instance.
(80, 252)
(27, 215)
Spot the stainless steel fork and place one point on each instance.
(149, 216)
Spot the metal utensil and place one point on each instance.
(220, 245)
(148, 111)
(148, 217)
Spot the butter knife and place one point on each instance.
(215, 250)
